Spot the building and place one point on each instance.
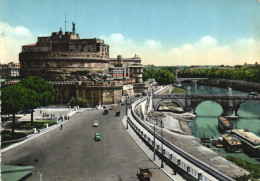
(64, 56)
(10, 70)
(250, 141)
(81, 68)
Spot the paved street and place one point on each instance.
(72, 154)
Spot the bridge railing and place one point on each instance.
(189, 169)
(208, 96)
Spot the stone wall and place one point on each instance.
(234, 84)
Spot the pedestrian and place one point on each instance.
(61, 126)
(68, 117)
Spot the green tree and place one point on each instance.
(44, 90)
(161, 75)
(14, 99)
(78, 102)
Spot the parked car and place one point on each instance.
(95, 124)
(112, 108)
(97, 137)
(105, 112)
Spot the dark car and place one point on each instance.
(105, 112)
(118, 113)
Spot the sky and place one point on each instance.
(161, 32)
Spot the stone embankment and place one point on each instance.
(192, 146)
(234, 84)
(183, 140)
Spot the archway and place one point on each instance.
(171, 105)
(249, 117)
(206, 124)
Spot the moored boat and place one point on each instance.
(224, 124)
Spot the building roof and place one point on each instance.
(30, 45)
(15, 173)
(107, 75)
(247, 136)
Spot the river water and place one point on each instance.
(207, 114)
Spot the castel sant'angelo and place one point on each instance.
(81, 68)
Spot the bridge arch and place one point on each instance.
(238, 105)
(156, 106)
(197, 103)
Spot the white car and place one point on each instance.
(95, 124)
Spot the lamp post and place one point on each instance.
(154, 143)
(126, 108)
(161, 116)
(162, 166)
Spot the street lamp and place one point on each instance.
(126, 108)
(161, 116)
(162, 145)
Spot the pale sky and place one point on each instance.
(161, 32)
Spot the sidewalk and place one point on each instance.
(167, 170)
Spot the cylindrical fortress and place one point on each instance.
(64, 57)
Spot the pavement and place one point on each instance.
(167, 170)
(73, 154)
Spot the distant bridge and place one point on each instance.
(189, 102)
(195, 80)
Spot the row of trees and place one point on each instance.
(28, 94)
(162, 76)
(250, 74)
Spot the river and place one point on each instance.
(207, 118)
(207, 113)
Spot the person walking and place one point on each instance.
(61, 126)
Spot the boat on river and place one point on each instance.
(224, 124)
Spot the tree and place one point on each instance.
(44, 90)
(78, 102)
(14, 99)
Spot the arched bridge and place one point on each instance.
(189, 102)
(195, 80)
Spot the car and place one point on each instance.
(95, 124)
(118, 113)
(97, 137)
(112, 108)
(105, 112)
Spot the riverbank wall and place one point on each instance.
(234, 84)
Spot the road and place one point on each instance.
(71, 154)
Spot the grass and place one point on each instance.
(6, 135)
(254, 169)
(25, 125)
(179, 90)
